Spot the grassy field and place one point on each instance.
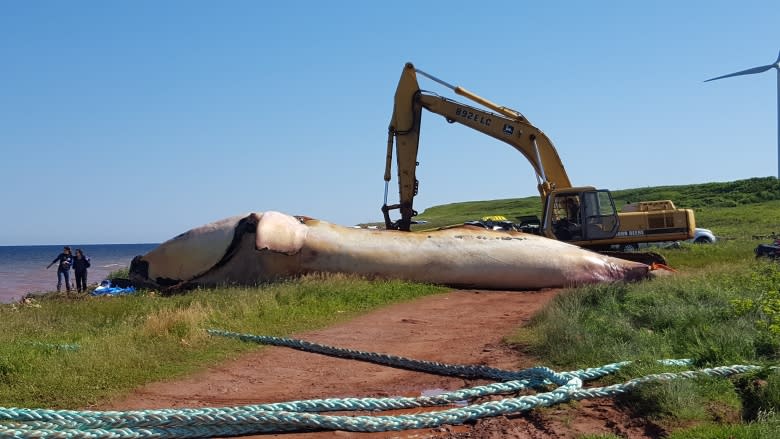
(721, 308)
(737, 209)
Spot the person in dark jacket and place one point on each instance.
(65, 260)
(80, 265)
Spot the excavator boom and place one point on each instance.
(506, 125)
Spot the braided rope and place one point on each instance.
(303, 415)
(457, 370)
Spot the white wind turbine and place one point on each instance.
(761, 69)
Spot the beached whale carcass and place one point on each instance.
(267, 246)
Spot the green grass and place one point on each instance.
(124, 342)
(693, 314)
(766, 427)
(455, 213)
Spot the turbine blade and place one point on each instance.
(778, 59)
(744, 72)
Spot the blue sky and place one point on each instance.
(125, 122)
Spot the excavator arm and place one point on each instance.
(505, 124)
(583, 216)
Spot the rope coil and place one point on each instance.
(305, 415)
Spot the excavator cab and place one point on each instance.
(577, 215)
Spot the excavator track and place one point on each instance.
(648, 258)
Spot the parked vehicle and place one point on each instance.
(703, 236)
(700, 236)
(771, 251)
(493, 222)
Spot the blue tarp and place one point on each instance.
(106, 288)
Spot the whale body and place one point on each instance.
(268, 246)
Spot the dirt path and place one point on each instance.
(461, 327)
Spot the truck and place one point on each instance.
(580, 215)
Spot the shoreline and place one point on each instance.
(9, 300)
(23, 269)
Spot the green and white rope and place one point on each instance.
(305, 415)
(463, 371)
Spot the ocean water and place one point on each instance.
(23, 268)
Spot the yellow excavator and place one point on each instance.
(583, 216)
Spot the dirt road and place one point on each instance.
(460, 327)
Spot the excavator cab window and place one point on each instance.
(567, 217)
(584, 216)
(600, 215)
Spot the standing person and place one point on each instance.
(65, 260)
(80, 265)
